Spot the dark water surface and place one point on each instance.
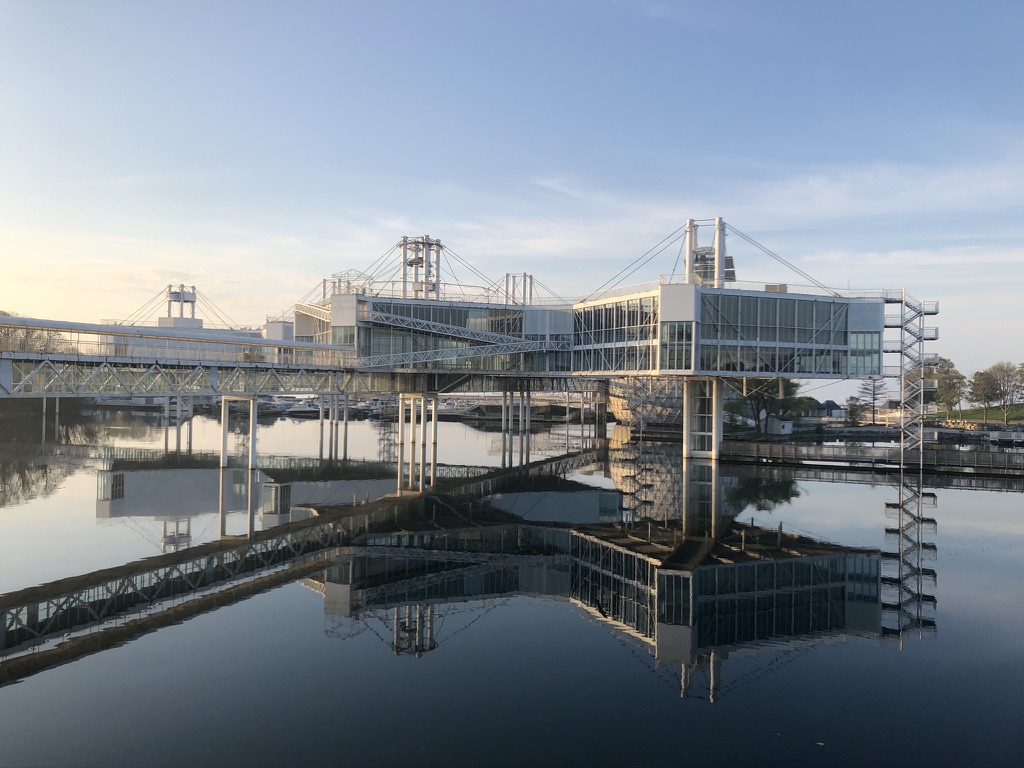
(527, 667)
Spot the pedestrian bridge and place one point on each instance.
(701, 327)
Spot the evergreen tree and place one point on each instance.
(871, 393)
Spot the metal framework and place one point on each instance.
(910, 581)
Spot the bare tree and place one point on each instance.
(1009, 386)
(951, 385)
(983, 390)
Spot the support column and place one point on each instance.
(433, 441)
(252, 432)
(320, 399)
(177, 424)
(222, 504)
(167, 423)
(344, 440)
(250, 493)
(423, 441)
(717, 417)
(527, 433)
(223, 432)
(522, 423)
(686, 419)
(44, 423)
(336, 399)
(412, 441)
(401, 440)
(567, 419)
(504, 424)
(719, 252)
(56, 420)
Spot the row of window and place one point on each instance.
(504, 320)
(620, 321)
(773, 318)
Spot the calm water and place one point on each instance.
(520, 666)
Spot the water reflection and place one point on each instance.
(664, 555)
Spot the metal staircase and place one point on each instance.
(908, 583)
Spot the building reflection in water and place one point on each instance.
(174, 496)
(692, 585)
(669, 564)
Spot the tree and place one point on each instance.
(854, 411)
(871, 393)
(983, 390)
(1009, 386)
(775, 397)
(17, 339)
(951, 385)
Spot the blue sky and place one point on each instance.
(252, 148)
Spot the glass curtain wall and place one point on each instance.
(780, 334)
(621, 335)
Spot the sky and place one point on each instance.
(254, 148)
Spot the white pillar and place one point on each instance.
(423, 441)
(719, 252)
(222, 505)
(250, 493)
(433, 442)
(412, 441)
(504, 425)
(167, 423)
(344, 441)
(252, 433)
(224, 431)
(177, 425)
(320, 398)
(687, 418)
(401, 439)
(336, 400)
(526, 434)
(716, 428)
(522, 423)
(689, 243)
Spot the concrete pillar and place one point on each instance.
(344, 441)
(320, 400)
(718, 417)
(250, 493)
(412, 441)
(222, 503)
(526, 433)
(177, 424)
(567, 420)
(423, 441)
(522, 424)
(719, 252)
(401, 441)
(44, 423)
(689, 243)
(504, 422)
(252, 432)
(224, 431)
(167, 423)
(336, 400)
(433, 442)
(687, 419)
(56, 420)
